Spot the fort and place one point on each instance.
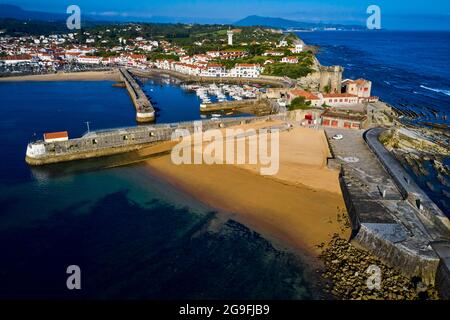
(323, 79)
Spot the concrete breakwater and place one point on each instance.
(254, 106)
(115, 141)
(385, 219)
(436, 224)
(144, 109)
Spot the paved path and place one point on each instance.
(383, 221)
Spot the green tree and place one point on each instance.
(299, 103)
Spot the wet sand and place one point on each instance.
(296, 209)
(63, 76)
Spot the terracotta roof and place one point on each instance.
(215, 65)
(359, 82)
(56, 135)
(247, 65)
(19, 57)
(302, 93)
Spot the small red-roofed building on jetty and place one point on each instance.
(56, 136)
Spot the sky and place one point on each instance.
(395, 14)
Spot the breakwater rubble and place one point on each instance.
(346, 269)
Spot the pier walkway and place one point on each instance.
(144, 109)
(121, 140)
(383, 220)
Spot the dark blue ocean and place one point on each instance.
(133, 235)
(409, 70)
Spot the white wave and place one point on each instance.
(446, 92)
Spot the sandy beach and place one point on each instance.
(296, 209)
(63, 76)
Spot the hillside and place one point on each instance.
(281, 23)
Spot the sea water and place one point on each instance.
(132, 234)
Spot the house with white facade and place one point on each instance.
(16, 59)
(273, 53)
(214, 70)
(165, 64)
(246, 70)
(340, 99)
(298, 48)
(89, 60)
(361, 88)
(292, 60)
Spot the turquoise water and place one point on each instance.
(132, 234)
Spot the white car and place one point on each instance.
(338, 137)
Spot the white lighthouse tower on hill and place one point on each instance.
(230, 37)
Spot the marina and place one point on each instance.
(214, 93)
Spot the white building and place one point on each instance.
(273, 53)
(246, 70)
(339, 99)
(230, 37)
(214, 70)
(298, 48)
(56, 136)
(25, 58)
(292, 60)
(89, 60)
(165, 64)
(283, 43)
(361, 88)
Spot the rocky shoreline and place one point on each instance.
(347, 271)
(424, 152)
(347, 274)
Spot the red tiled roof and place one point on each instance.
(247, 65)
(358, 81)
(56, 135)
(215, 65)
(302, 93)
(18, 57)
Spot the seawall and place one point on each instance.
(436, 223)
(383, 219)
(114, 141)
(255, 106)
(144, 109)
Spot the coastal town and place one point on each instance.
(249, 54)
(330, 126)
